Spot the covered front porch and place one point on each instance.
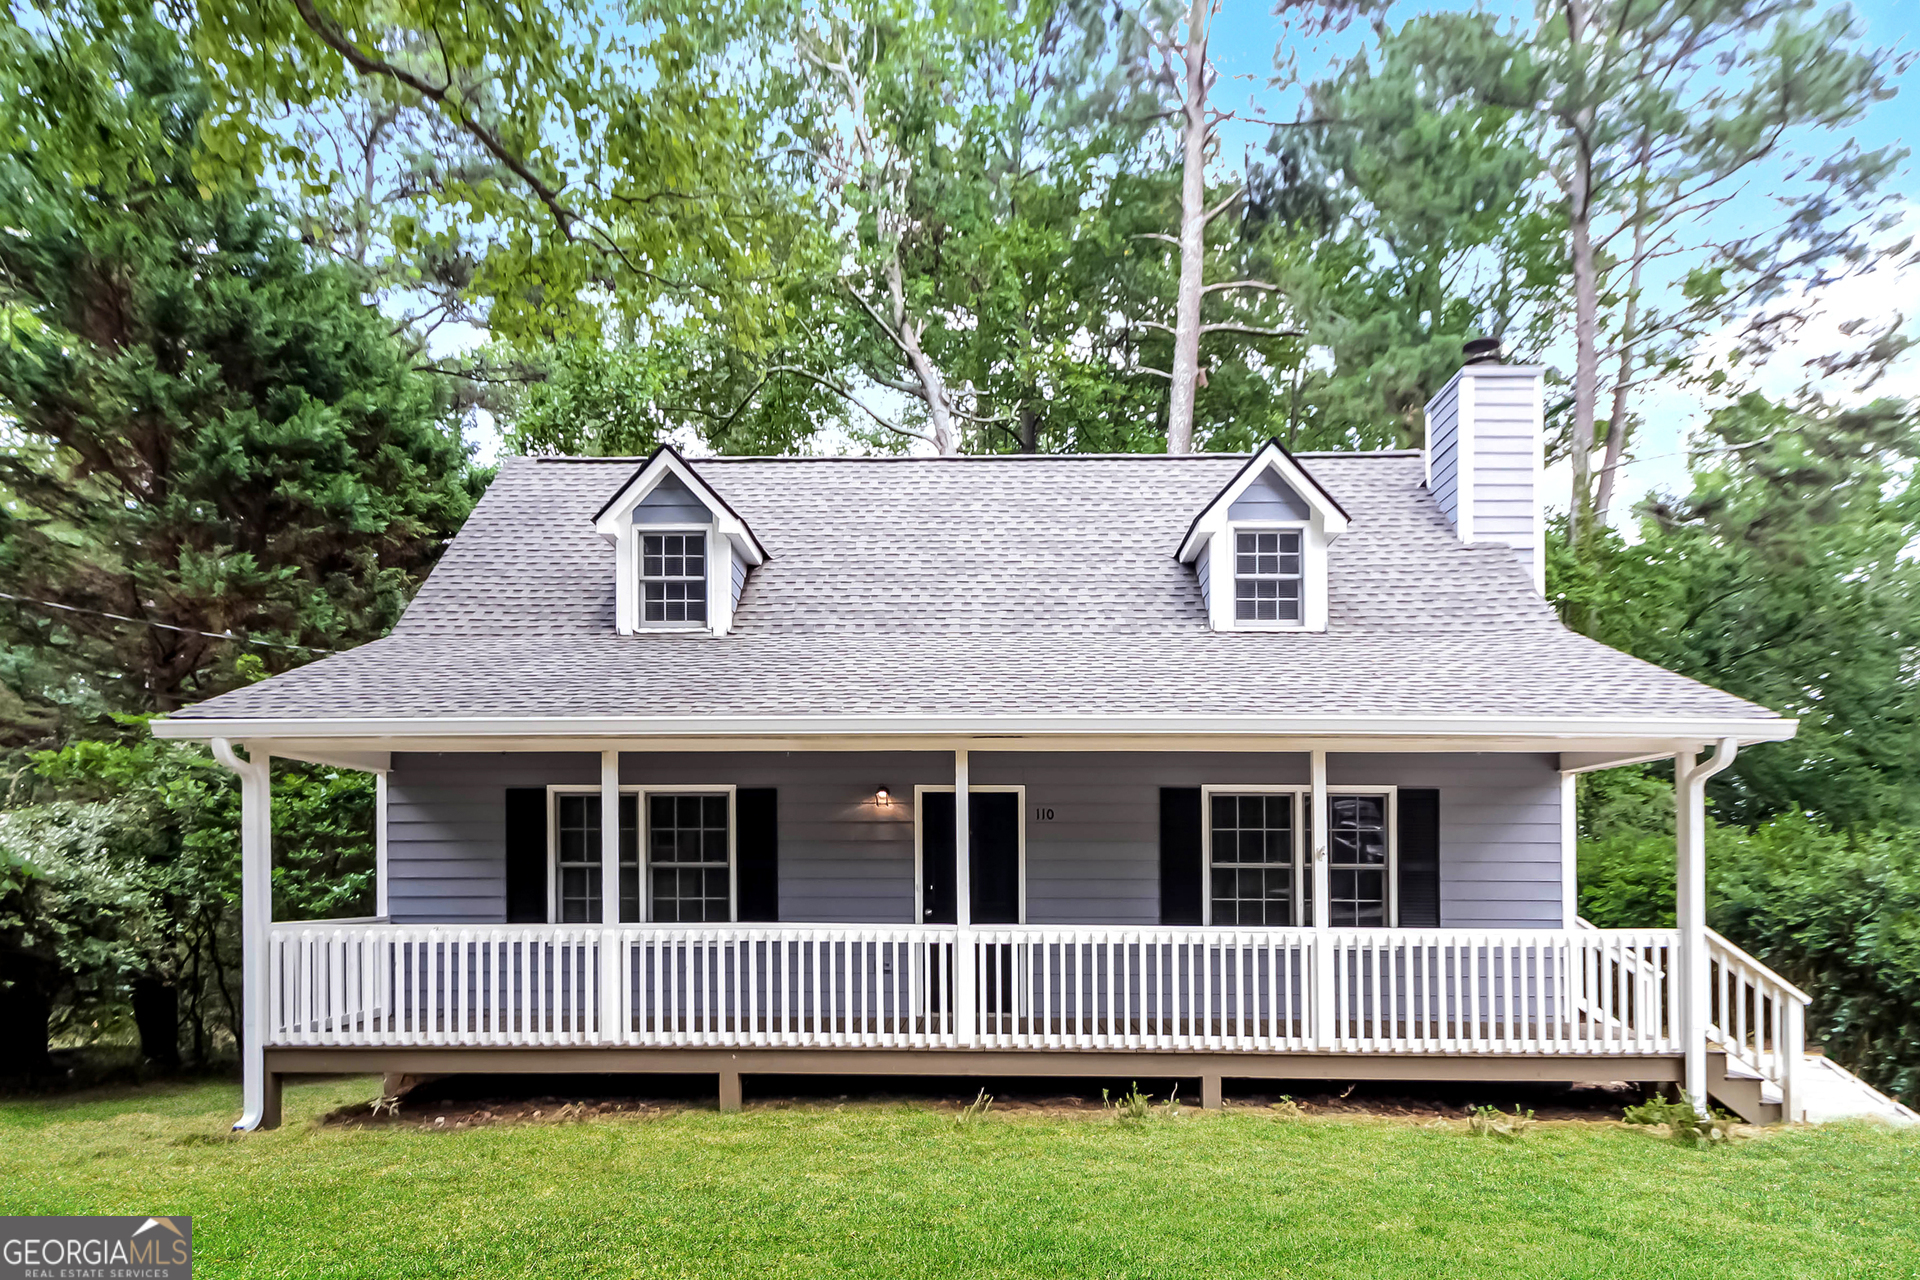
(1300, 936)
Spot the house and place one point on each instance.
(1219, 767)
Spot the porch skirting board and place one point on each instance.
(730, 1064)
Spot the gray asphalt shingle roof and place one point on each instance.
(972, 586)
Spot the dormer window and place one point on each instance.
(681, 555)
(673, 579)
(1266, 575)
(1259, 549)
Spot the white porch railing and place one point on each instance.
(1757, 1016)
(1441, 991)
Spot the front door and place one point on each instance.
(993, 850)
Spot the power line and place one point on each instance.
(164, 626)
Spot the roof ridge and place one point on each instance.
(636, 459)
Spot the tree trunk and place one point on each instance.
(156, 1012)
(1586, 296)
(1029, 430)
(1193, 232)
(1622, 380)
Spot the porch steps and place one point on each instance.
(1828, 1092)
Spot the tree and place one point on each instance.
(1785, 577)
(1422, 224)
(1651, 118)
(212, 437)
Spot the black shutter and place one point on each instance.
(756, 853)
(526, 855)
(1180, 855)
(1419, 859)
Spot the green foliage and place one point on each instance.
(1492, 1122)
(1683, 1124)
(126, 865)
(210, 432)
(1784, 577)
(1835, 912)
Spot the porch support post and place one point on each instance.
(1323, 960)
(259, 1107)
(610, 948)
(1569, 851)
(1690, 906)
(964, 960)
(380, 844)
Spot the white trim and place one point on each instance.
(1333, 728)
(919, 876)
(1313, 576)
(642, 790)
(616, 525)
(1569, 850)
(1540, 485)
(380, 845)
(1464, 465)
(1301, 853)
(716, 623)
(1268, 457)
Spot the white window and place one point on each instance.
(576, 855)
(689, 858)
(673, 579)
(1254, 878)
(1359, 861)
(687, 876)
(1267, 579)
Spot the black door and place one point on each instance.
(993, 849)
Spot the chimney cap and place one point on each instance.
(1481, 350)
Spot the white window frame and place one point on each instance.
(1230, 536)
(919, 871)
(1302, 871)
(711, 624)
(643, 790)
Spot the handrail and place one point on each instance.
(1762, 970)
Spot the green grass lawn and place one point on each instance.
(890, 1190)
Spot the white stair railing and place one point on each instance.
(1757, 1017)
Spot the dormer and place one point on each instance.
(681, 554)
(1259, 548)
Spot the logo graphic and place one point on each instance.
(101, 1248)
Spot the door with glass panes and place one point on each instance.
(1257, 870)
(688, 846)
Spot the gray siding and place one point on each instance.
(1499, 831)
(671, 502)
(1506, 443)
(739, 572)
(1443, 450)
(1269, 498)
(1097, 861)
(1202, 567)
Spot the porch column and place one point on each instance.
(963, 951)
(380, 844)
(1690, 906)
(1323, 960)
(260, 1101)
(610, 949)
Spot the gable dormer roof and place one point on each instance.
(617, 512)
(1271, 459)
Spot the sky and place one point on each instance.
(1245, 38)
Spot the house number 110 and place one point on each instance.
(1042, 814)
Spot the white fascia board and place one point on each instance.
(1148, 725)
(1213, 519)
(616, 521)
